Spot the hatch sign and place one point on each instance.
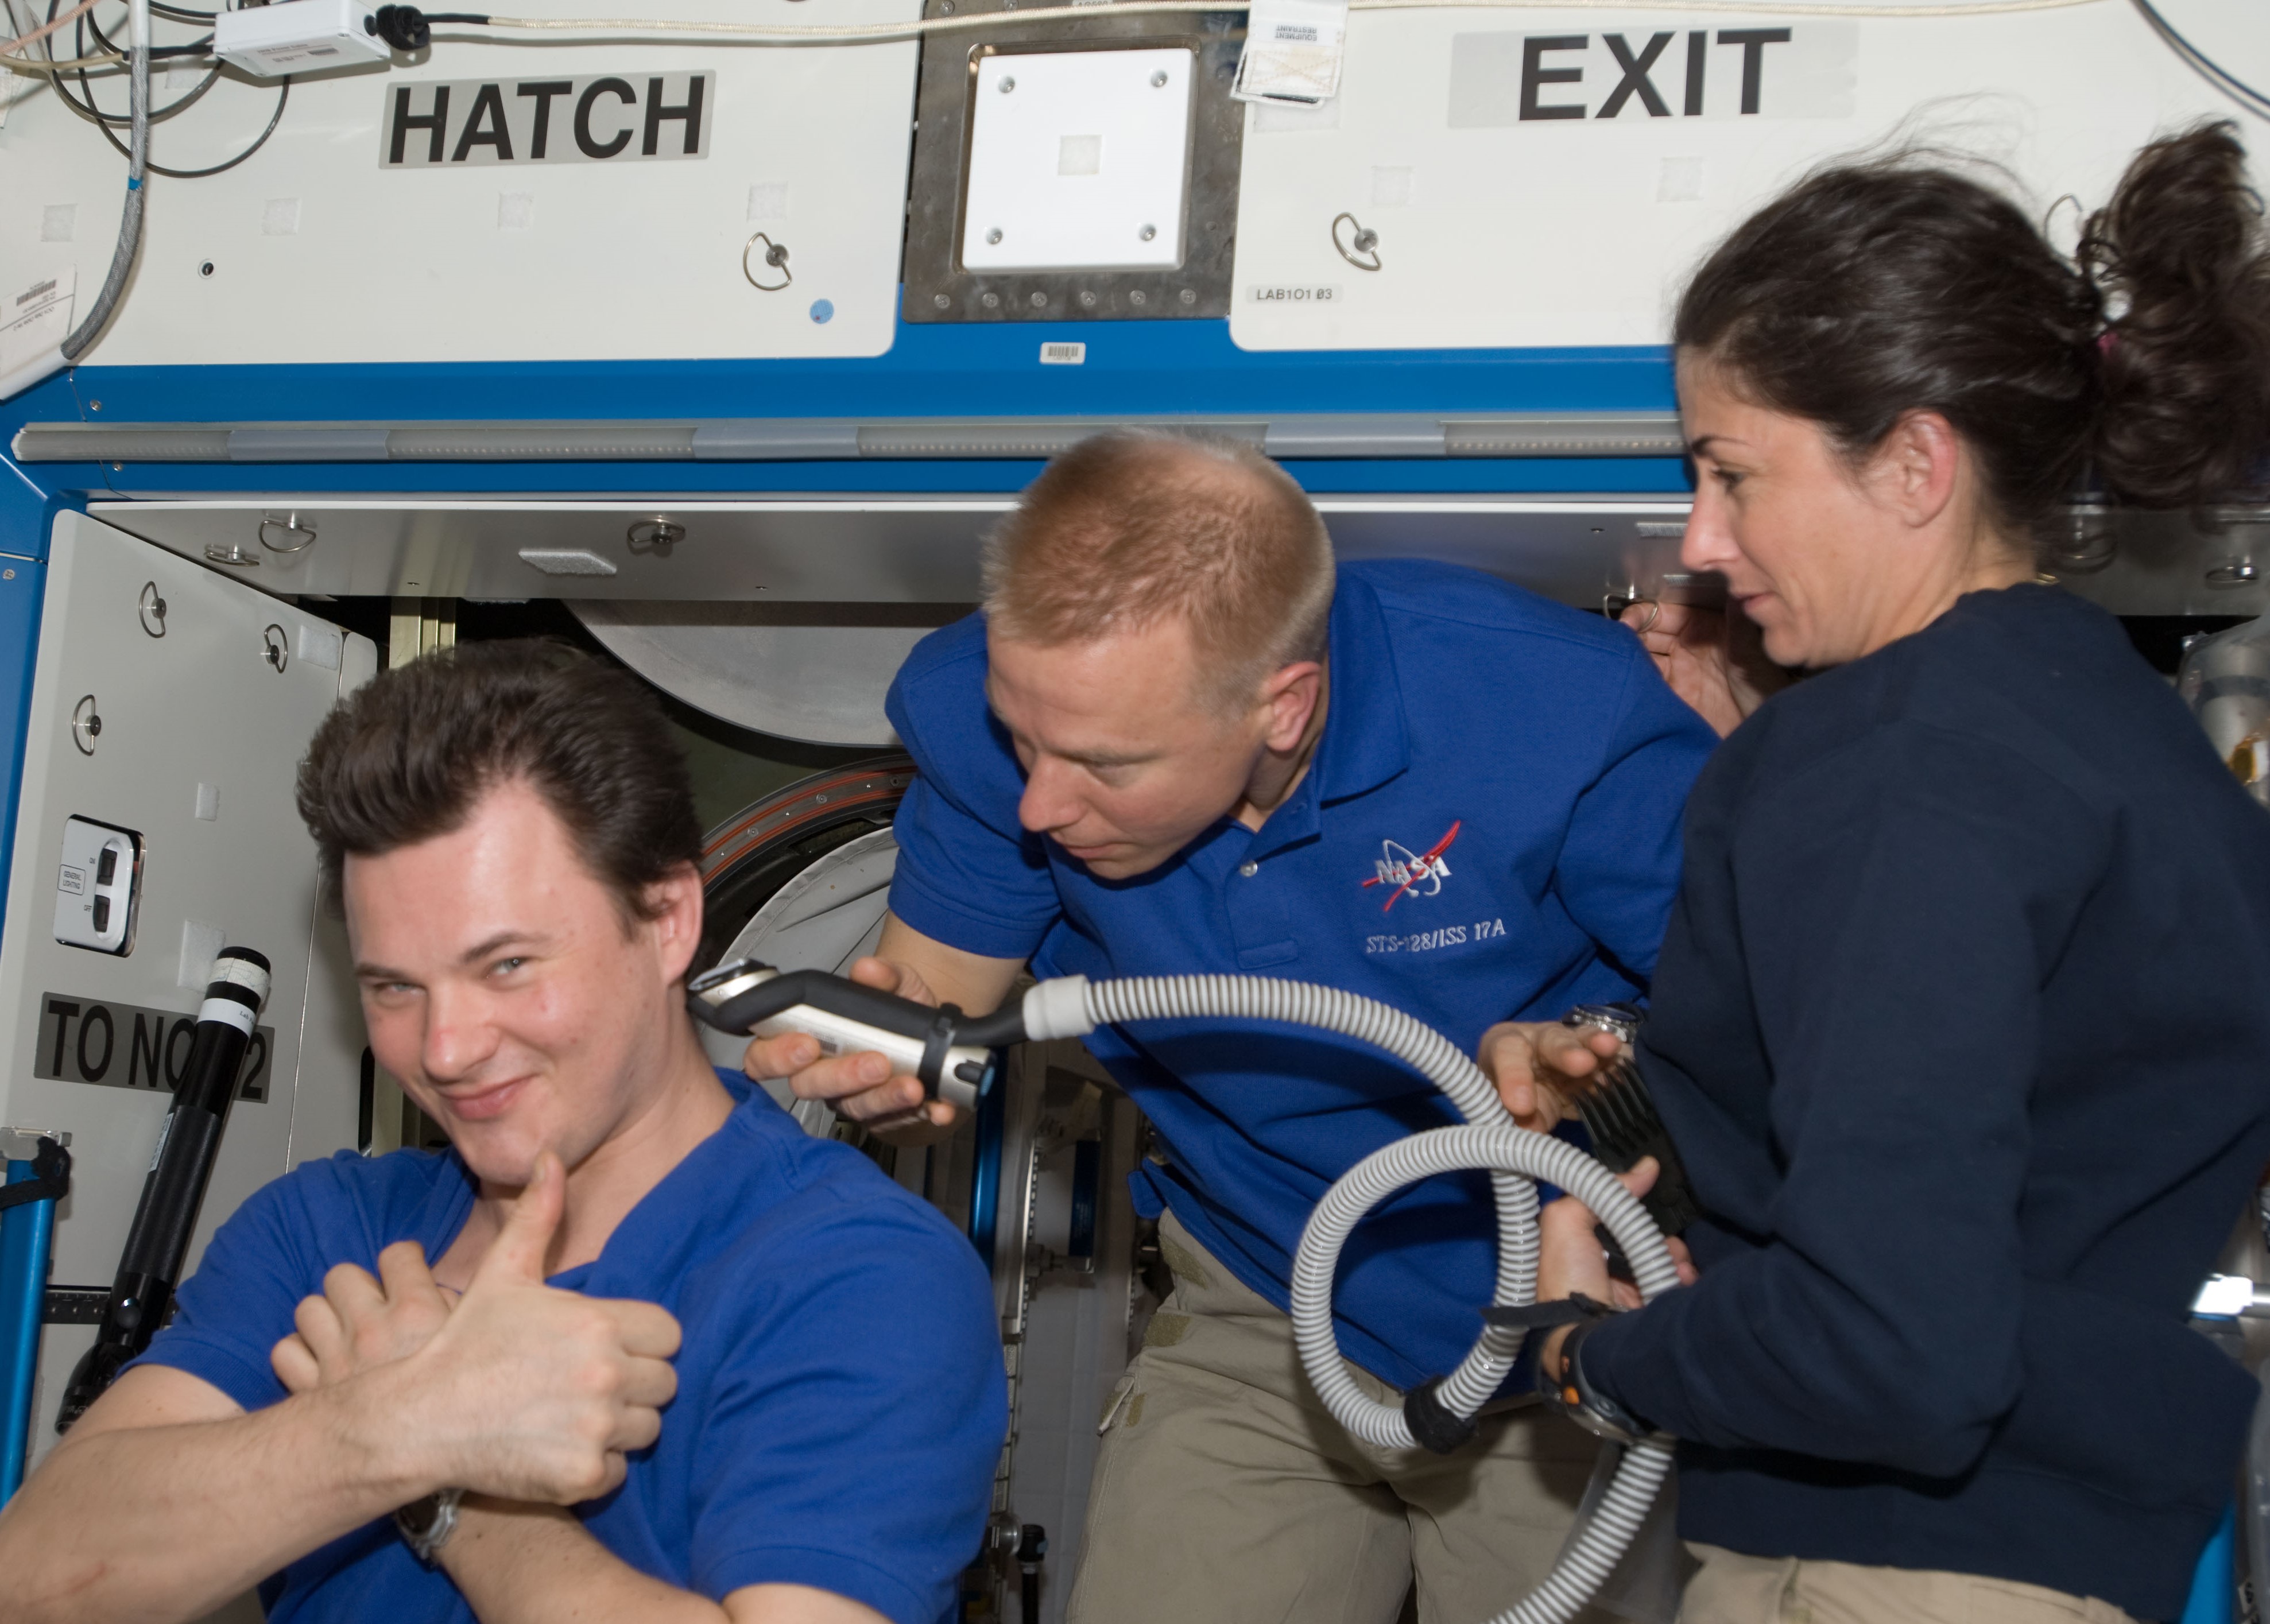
(121, 1046)
(602, 118)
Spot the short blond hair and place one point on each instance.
(1129, 528)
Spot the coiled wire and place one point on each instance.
(1514, 1158)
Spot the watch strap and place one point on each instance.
(1596, 1411)
(1573, 1309)
(426, 1523)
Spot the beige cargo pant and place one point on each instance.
(1734, 1589)
(1226, 1494)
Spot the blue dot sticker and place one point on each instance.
(823, 310)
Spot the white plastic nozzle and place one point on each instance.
(1059, 1008)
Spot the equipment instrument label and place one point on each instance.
(1295, 293)
(123, 1046)
(603, 118)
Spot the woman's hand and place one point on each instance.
(1712, 658)
(1571, 1259)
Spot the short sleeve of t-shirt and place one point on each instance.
(885, 1337)
(967, 873)
(276, 1248)
(841, 1401)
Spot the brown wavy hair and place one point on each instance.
(408, 755)
(2139, 367)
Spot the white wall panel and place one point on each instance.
(199, 709)
(319, 255)
(1577, 231)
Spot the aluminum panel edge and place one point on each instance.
(1395, 435)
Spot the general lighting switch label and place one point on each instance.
(98, 881)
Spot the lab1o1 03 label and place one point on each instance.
(1292, 293)
(601, 118)
(121, 1046)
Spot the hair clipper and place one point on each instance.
(948, 1051)
(1620, 1116)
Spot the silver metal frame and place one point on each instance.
(841, 558)
(768, 439)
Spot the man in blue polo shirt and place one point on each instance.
(1178, 741)
(672, 1361)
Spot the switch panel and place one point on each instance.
(97, 886)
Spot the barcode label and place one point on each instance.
(1060, 353)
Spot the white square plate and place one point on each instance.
(1078, 159)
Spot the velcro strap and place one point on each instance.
(1433, 1425)
(50, 1179)
(1570, 1310)
(938, 1040)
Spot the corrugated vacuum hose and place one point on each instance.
(737, 997)
(1514, 1158)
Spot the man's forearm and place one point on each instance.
(164, 1522)
(975, 982)
(524, 1564)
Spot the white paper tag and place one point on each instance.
(36, 320)
(1293, 51)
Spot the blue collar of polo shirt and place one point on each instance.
(1367, 740)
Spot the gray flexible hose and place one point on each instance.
(1513, 1156)
(137, 164)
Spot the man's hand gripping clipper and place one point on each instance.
(949, 1051)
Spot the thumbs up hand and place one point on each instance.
(530, 1393)
(360, 1322)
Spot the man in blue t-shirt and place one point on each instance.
(633, 1347)
(1178, 741)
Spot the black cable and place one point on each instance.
(182, 14)
(89, 110)
(2253, 99)
(284, 89)
(198, 47)
(95, 115)
(102, 121)
(408, 29)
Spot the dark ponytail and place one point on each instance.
(1872, 290)
(2185, 385)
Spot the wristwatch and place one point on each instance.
(427, 1523)
(1587, 1406)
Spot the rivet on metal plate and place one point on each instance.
(657, 536)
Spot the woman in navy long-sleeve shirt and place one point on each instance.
(1963, 1025)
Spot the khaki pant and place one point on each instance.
(1226, 1494)
(1734, 1589)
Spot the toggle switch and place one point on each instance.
(97, 885)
